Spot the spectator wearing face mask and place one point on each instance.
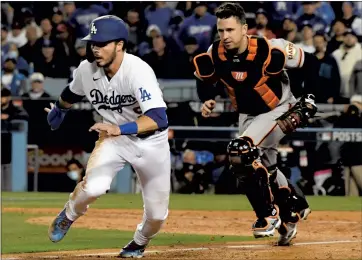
(11, 78)
(37, 88)
(21, 64)
(76, 171)
(261, 28)
(348, 54)
(34, 102)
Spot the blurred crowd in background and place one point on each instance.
(42, 40)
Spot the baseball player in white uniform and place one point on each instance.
(124, 90)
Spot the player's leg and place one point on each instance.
(153, 169)
(102, 166)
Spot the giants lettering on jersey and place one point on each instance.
(114, 102)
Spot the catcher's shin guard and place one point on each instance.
(245, 161)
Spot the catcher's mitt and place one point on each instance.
(298, 115)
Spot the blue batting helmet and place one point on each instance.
(107, 28)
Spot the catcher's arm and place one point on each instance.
(309, 65)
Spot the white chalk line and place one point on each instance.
(195, 249)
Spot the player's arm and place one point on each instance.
(296, 58)
(71, 94)
(205, 81)
(149, 97)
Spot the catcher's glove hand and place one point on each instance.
(298, 115)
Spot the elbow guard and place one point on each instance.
(70, 97)
(159, 116)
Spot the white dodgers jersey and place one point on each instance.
(131, 92)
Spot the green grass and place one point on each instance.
(19, 236)
(177, 201)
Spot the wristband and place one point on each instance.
(129, 128)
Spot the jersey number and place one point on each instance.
(144, 95)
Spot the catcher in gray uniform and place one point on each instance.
(252, 69)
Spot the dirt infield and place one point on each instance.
(325, 235)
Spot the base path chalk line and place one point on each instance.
(194, 249)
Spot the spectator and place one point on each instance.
(64, 34)
(191, 49)
(47, 29)
(81, 49)
(18, 34)
(83, 16)
(161, 59)
(347, 56)
(69, 9)
(37, 89)
(11, 78)
(29, 20)
(352, 118)
(261, 27)
(137, 29)
(57, 16)
(338, 30)
(200, 25)
(194, 175)
(309, 15)
(307, 38)
(10, 112)
(323, 9)
(21, 64)
(4, 40)
(289, 30)
(160, 14)
(352, 21)
(29, 49)
(76, 171)
(49, 64)
(145, 46)
(355, 82)
(281, 9)
(329, 77)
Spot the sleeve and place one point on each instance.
(146, 88)
(294, 54)
(76, 85)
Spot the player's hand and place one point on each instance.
(111, 130)
(207, 107)
(55, 115)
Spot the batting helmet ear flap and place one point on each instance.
(89, 54)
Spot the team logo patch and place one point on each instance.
(291, 51)
(93, 29)
(239, 76)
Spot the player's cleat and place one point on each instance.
(287, 232)
(304, 213)
(266, 227)
(59, 227)
(132, 250)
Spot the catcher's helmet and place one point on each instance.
(107, 28)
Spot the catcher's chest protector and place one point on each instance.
(251, 89)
